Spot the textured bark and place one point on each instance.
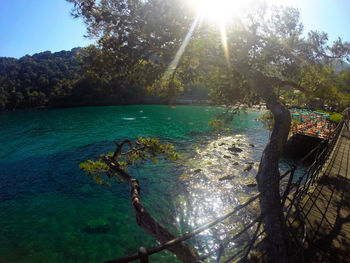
(268, 174)
(182, 251)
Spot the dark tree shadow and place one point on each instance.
(329, 242)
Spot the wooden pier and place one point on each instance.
(326, 208)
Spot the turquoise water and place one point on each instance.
(51, 212)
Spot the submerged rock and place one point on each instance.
(251, 185)
(97, 226)
(235, 149)
(184, 177)
(85, 189)
(248, 167)
(227, 177)
(249, 182)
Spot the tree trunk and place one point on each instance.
(268, 174)
(182, 251)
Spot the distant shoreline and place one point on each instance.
(103, 105)
(182, 103)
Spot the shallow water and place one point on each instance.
(51, 212)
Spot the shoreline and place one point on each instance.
(182, 103)
(103, 105)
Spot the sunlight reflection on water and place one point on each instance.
(219, 177)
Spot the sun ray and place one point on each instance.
(224, 42)
(219, 11)
(175, 62)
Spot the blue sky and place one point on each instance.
(32, 26)
(330, 16)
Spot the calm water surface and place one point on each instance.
(51, 212)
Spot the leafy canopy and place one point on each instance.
(129, 154)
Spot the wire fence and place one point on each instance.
(247, 242)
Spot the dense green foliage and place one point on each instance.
(42, 79)
(139, 52)
(324, 87)
(267, 119)
(136, 153)
(61, 79)
(336, 117)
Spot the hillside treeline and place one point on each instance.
(58, 80)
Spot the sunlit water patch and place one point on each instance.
(219, 177)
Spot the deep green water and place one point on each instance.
(51, 212)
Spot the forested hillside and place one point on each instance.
(42, 79)
(59, 79)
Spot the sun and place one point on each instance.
(221, 11)
(224, 11)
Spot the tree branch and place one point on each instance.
(144, 219)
